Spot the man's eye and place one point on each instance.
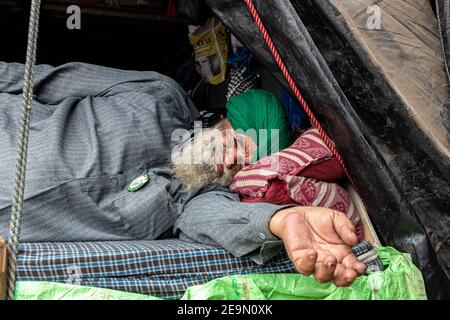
(240, 142)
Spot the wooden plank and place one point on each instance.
(130, 15)
(369, 230)
(2, 269)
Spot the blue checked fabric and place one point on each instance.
(162, 268)
(367, 255)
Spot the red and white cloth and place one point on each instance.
(305, 174)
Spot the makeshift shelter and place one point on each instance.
(370, 89)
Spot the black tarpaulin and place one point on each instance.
(443, 15)
(379, 93)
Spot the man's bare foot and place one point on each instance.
(318, 241)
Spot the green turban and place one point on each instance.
(259, 109)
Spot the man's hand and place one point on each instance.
(318, 241)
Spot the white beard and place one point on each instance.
(200, 175)
(194, 163)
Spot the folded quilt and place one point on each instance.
(281, 179)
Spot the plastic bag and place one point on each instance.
(210, 43)
(401, 280)
(40, 290)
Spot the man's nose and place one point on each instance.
(230, 157)
(234, 155)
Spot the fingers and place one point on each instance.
(305, 261)
(326, 262)
(343, 277)
(350, 262)
(324, 271)
(345, 229)
(350, 267)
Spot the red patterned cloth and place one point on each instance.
(303, 174)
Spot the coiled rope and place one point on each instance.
(22, 150)
(294, 88)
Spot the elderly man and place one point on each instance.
(100, 169)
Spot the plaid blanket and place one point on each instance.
(163, 268)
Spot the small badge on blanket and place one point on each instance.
(138, 183)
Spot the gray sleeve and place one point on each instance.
(76, 80)
(218, 218)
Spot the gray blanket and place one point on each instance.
(96, 129)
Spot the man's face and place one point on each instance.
(238, 151)
(213, 156)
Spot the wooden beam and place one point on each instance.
(2, 269)
(137, 15)
(369, 231)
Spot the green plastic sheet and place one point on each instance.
(41, 290)
(401, 280)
